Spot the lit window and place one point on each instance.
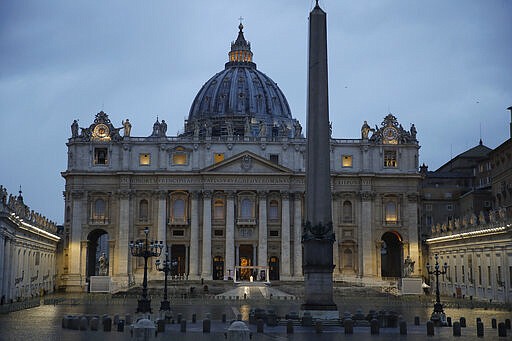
(346, 161)
(391, 214)
(179, 156)
(218, 157)
(347, 211)
(144, 159)
(390, 159)
(100, 156)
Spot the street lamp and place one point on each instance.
(165, 305)
(438, 316)
(146, 249)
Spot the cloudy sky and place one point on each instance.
(443, 65)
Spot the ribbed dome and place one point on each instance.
(239, 100)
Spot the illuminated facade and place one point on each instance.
(229, 190)
(28, 250)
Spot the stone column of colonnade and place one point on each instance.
(123, 236)
(206, 271)
(262, 229)
(75, 280)
(2, 266)
(230, 234)
(285, 237)
(297, 235)
(194, 237)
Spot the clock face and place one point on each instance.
(101, 131)
(390, 135)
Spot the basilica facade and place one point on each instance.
(228, 193)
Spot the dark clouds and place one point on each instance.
(444, 66)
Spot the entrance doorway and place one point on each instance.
(273, 263)
(178, 258)
(245, 259)
(218, 268)
(391, 255)
(97, 254)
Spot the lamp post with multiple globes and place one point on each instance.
(438, 316)
(165, 267)
(145, 248)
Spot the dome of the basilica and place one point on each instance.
(241, 100)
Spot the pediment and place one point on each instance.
(246, 162)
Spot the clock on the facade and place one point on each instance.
(101, 131)
(390, 135)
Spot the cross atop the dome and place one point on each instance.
(241, 20)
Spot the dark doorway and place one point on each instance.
(391, 255)
(178, 259)
(273, 264)
(245, 259)
(218, 268)
(97, 254)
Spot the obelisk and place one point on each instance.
(317, 235)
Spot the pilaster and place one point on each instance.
(194, 236)
(230, 233)
(297, 235)
(285, 236)
(206, 271)
(262, 229)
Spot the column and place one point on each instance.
(335, 220)
(79, 214)
(194, 236)
(83, 258)
(230, 233)
(412, 223)
(123, 236)
(366, 247)
(10, 271)
(206, 272)
(2, 261)
(161, 219)
(297, 235)
(111, 258)
(285, 236)
(262, 229)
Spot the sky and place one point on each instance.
(443, 65)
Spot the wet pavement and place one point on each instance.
(45, 322)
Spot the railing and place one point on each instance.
(246, 221)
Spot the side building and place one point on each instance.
(28, 250)
(228, 193)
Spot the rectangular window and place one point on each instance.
(428, 207)
(463, 275)
(479, 275)
(428, 220)
(274, 233)
(488, 276)
(455, 270)
(218, 233)
(346, 161)
(218, 157)
(178, 233)
(100, 156)
(144, 159)
(498, 276)
(449, 207)
(274, 158)
(179, 159)
(390, 160)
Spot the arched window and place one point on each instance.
(391, 212)
(273, 210)
(347, 211)
(179, 209)
(218, 209)
(246, 208)
(143, 210)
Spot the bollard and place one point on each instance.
(493, 323)
(462, 321)
(259, 326)
(348, 325)
(107, 324)
(120, 325)
(207, 323)
(449, 321)
(456, 329)
(224, 318)
(502, 329)
(95, 322)
(374, 327)
(74, 323)
(507, 323)
(238, 331)
(479, 329)
(183, 326)
(430, 328)
(194, 318)
(403, 327)
(180, 316)
(83, 323)
(289, 327)
(319, 327)
(416, 320)
(160, 325)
